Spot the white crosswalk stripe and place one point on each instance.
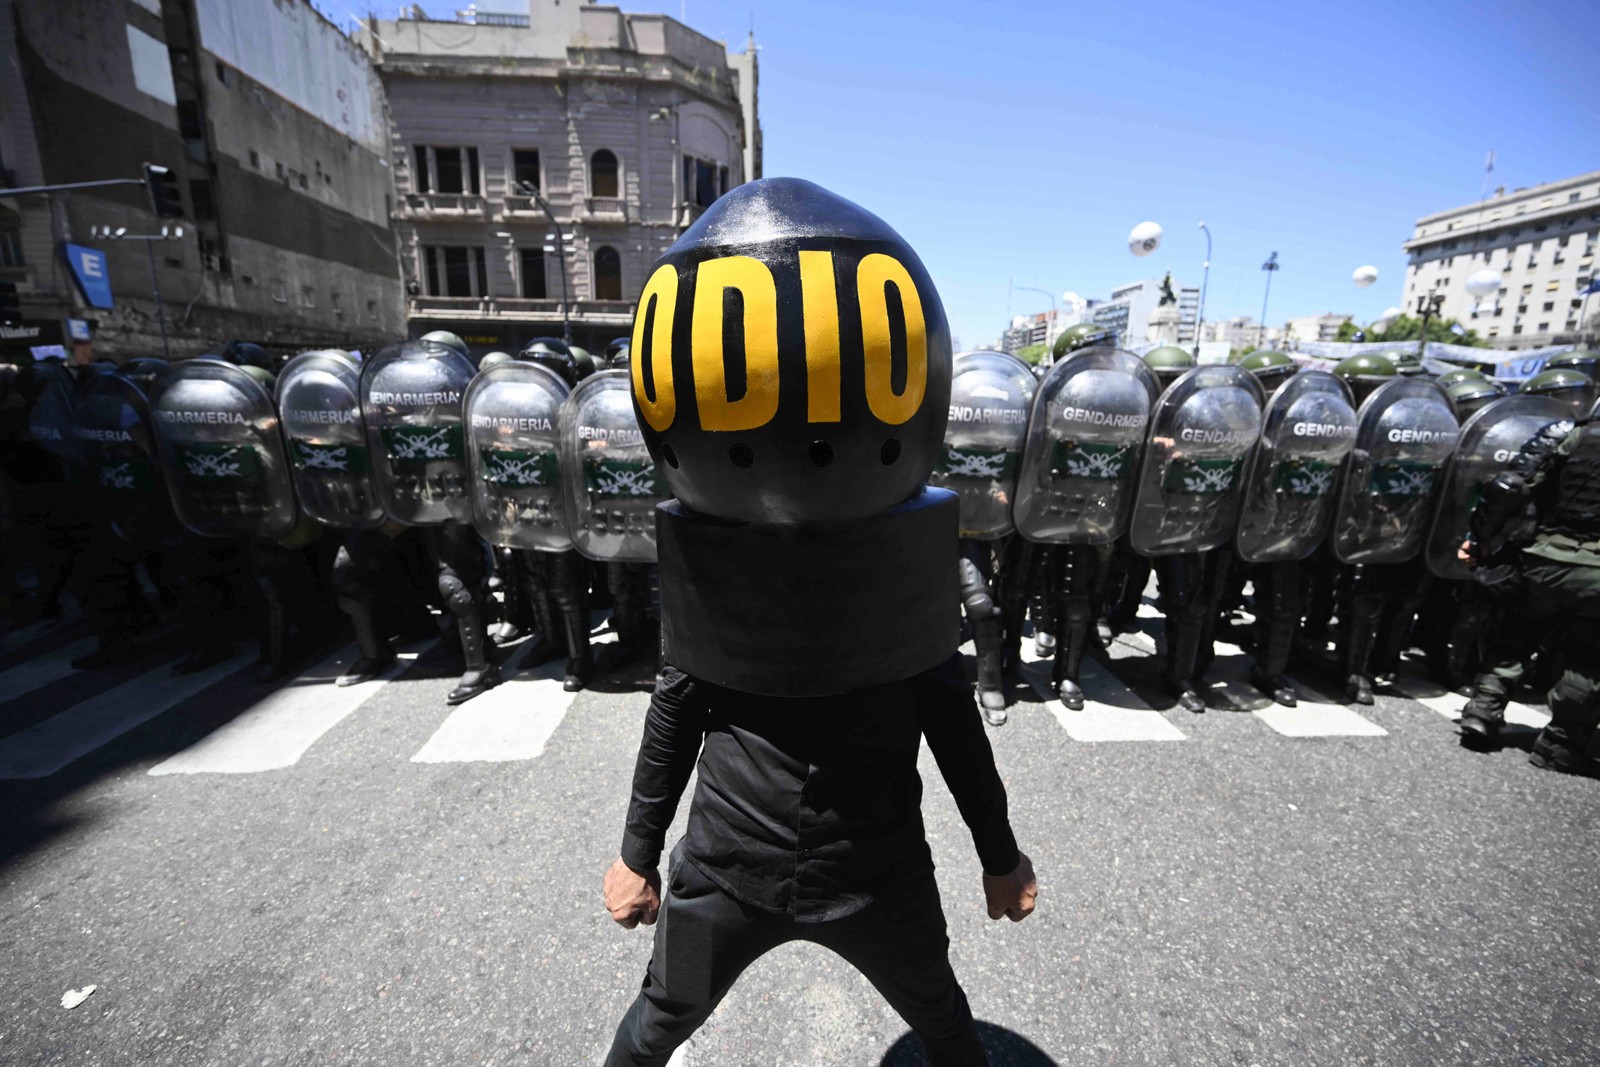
(1111, 710)
(44, 748)
(278, 729)
(1436, 698)
(513, 721)
(37, 673)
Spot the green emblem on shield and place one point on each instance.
(993, 463)
(1202, 477)
(124, 474)
(219, 462)
(503, 466)
(619, 478)
(1402, 478)
(314, 457)
(1305, 477)
(422, 444)
(1090, 459)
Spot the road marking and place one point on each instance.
(1313, 715)
(512, 721)
(1449, 704)
(1111, 710)
(44, 748)
(26, 635)
(278, 729)
(36, 673)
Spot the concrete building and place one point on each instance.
(1129, 309)
(272, 122)
(1240, 332)
(1026, 330)
(1541, 239)
(630, 126)
(1314, 327)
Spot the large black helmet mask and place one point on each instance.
(791, 376)
(791, 360)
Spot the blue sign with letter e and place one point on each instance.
(94, 279)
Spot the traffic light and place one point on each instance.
(165, 200)
(10, 306)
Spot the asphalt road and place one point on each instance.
(296, 874)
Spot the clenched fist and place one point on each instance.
(1011, 895)
(633, 898)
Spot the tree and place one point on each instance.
(1409, 328)
(1347, 331)
(1031, 353)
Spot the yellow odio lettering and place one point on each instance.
(663, 289)
(820, 317)
(874, 273)
(760, 401)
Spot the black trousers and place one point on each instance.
(706, 938)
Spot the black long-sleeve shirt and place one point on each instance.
(810, 806)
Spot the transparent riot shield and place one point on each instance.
(1488, 442)
(411, 396)
(222, 452)
(319, 401)
(1293, 474)
(513, 452)
(611, 482)
(1191, 484)
(50, 419)
(112, 427)
(1086, 435)
(1405, 432)
(990, 396)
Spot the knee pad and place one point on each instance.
(458, 599)
(975, 596)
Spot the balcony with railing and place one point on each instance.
(433, 205)
(606, 208)
(599, 312)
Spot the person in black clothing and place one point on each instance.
(809, 622)
(806, 825)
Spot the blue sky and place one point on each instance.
(1024, 140)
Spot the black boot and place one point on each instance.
(1276, 686)
(482, 674)
(376, 655)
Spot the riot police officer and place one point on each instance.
(990, 396)
(1552, 575)
(1571, 386)
(1308, 428)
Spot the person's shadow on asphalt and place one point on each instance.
(1006, 1048)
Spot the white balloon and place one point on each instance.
(1482, 283)
(1364, 276)
(1144, 238)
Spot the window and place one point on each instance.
(372, 310)
(255, 159)
(1544, 327)
(1526, 289)
(205, 206)
(1572, 197)
(446, 169)
(722, 181)
(603, 174)
(525, 169)
(454, 270)
(531, 273)
(607, 274)
(1549, 305)
(1517, 328)
(189, 125)
(10, 248)
(1494, 331)
(308, 296)
(1552, 285)
(222, 74)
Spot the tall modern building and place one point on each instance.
(271, 122)
(627, 125)
(1130, 307)
(1315, 327)
(1541, 239)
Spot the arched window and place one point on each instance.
(607, 274)
(603, 174)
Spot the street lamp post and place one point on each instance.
(1205, 276)
(175, 233)
(560, 247)
(1428, 305)
(1052, 322)
(1271, 267)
